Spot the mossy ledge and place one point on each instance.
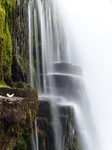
(16, 118)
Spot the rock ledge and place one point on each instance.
(16, 115)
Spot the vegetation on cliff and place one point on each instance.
(7, 55)
(6, 7)
(16, 114)
(2, 23)
(16, 118)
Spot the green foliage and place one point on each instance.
(7, 55)
(5, 39)
(2, 24)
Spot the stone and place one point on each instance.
(66, 124)
(16, 117)
(67, 68)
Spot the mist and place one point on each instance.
(89, 27)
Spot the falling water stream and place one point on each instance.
(77, 34)
(30, 15)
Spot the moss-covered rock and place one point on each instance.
(23, 139)
(46, 127)
(19, 73)
(45, 110)
(6, 7)
(67, 120)
(16, 117)
(7, 55)
(2, 37)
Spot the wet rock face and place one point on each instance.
(67, 68)
(66, 123)
(13, 39)
(45, 126)
(69, 129)
(20, 46)
(68, 86)
(6, 9)
(17, 73)
(16, 117)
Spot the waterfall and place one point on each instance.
(36, 135)
(59, 79)
(35, 145)
(30, 15)
(89, 26)
(75, 36)
(33, 141)
(37, 51)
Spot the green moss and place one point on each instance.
(8, 3)
(30, 112)
(21, 145)
(74, 145)
(11, 144)
(77, 144)
(6, 7)
(7, 55)
(45, 110)
(24, 140)
(2, 25)
(3, 84)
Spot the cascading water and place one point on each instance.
(55, 55)
(36, 135)
(89, 25)
(30, 15)
(56, 68)
(37, 51)
(35, 145)
(66, 32)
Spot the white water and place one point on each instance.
(88, 40)
(36, 135)
(89, 24)
(37, 51)
(35, 145)
(30, 16)
(86, 130)
(33, 141)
